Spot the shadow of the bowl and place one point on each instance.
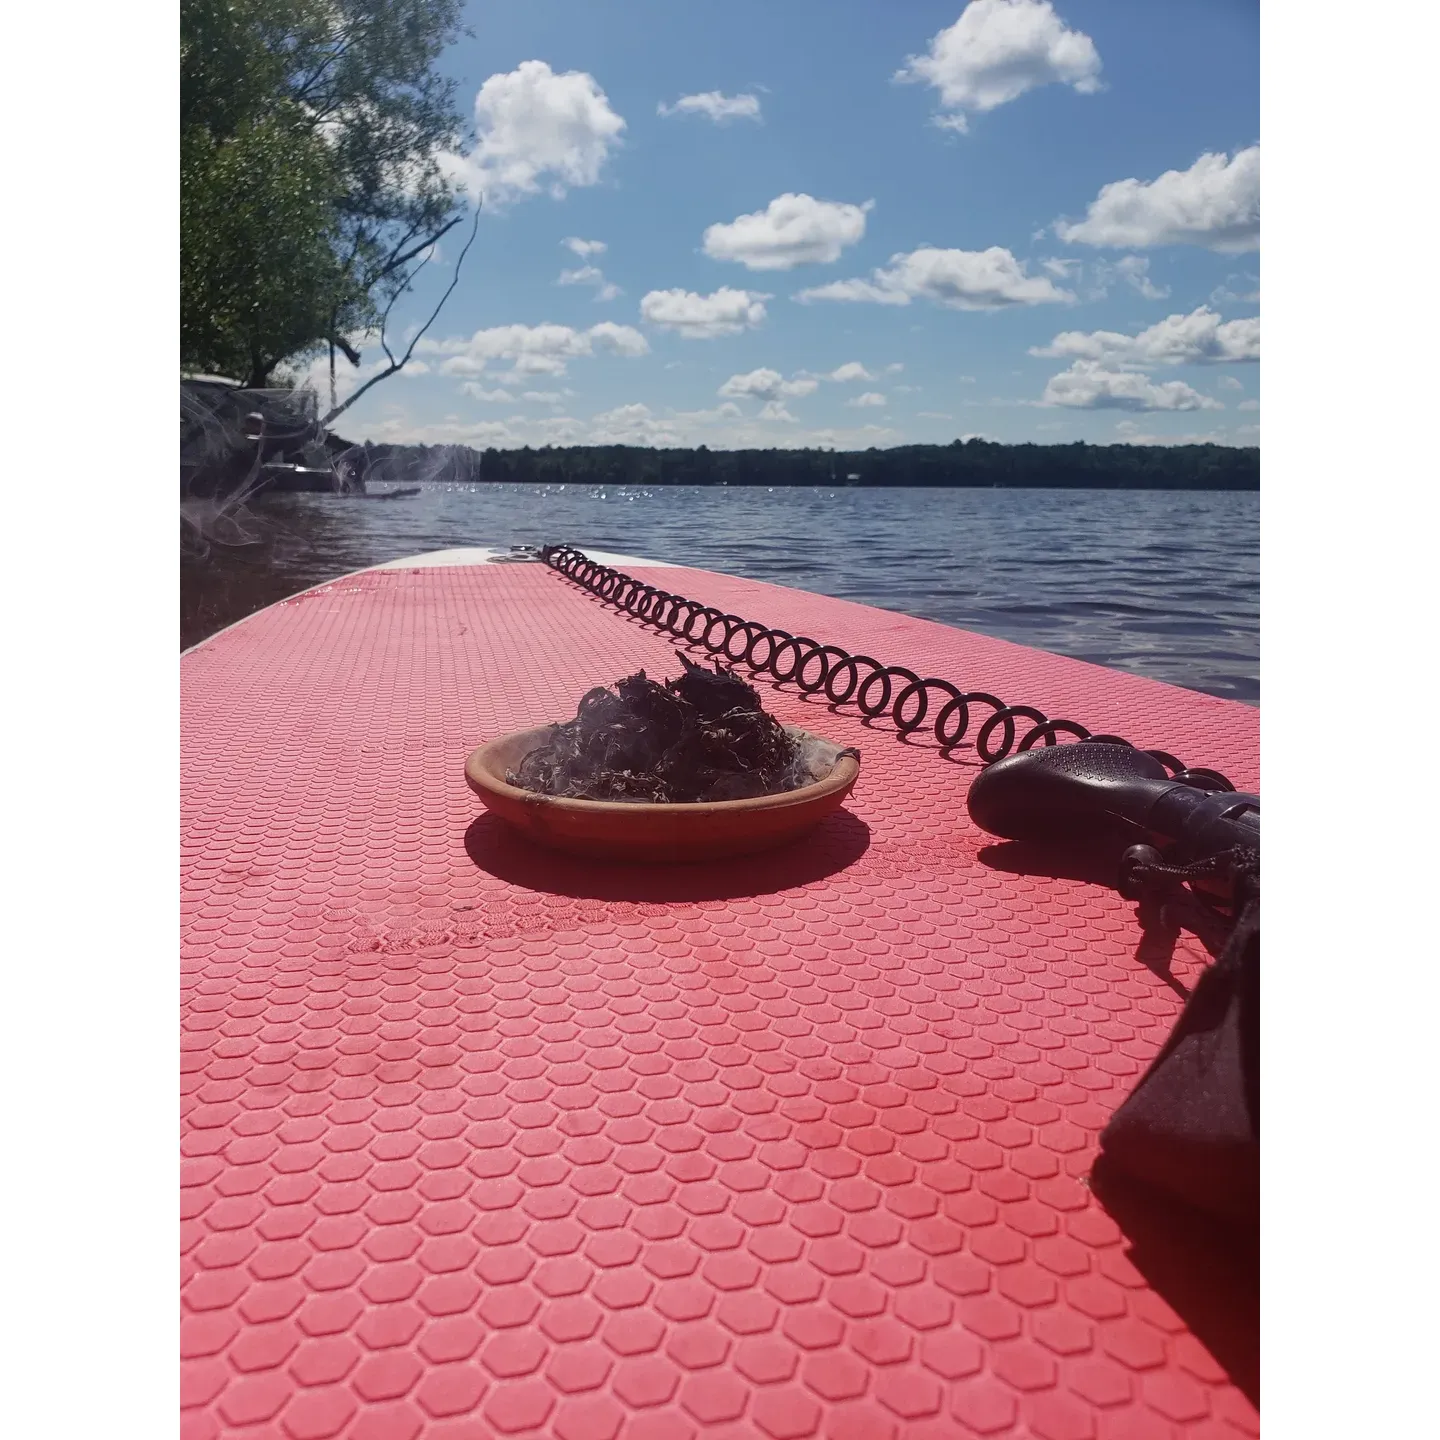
(498, 849)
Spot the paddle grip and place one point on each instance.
(1099, 791)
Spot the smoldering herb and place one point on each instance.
(703, 736)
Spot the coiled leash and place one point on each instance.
(891, 691)
(1191, 1126)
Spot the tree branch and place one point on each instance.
(302, 90)
(396, 261)
(400, 364)
(339, 342)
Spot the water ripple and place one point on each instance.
(1152, 582)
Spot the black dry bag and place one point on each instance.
(1191, 1126)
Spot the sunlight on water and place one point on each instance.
(1163, 584)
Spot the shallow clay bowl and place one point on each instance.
(663, 834)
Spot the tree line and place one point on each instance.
(973, 463)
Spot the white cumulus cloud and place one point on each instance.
(1215, 203)
(536, 130)
(590, 275)
(620, 339)
(1088, 385)
(767, 384)
(1135, 271)
(958, 279)
(715, 106)
(1247, 293)
(583, 248)
(996, 51)
(775, 410)
(851, 370)
(1199, 338)
(533, 349)
(314, 374)
(632, 424)
(791, 230)
(726, 427)
(703, 317)
(1132, 433)
(868, 400)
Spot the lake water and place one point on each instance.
(1158, 583)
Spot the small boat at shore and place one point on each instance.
(483, 1138)
(401, 494)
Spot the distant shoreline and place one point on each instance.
(961, 465)
(1247, 487)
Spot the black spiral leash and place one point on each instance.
(1189, 1131)
(815, 667)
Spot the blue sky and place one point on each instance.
(910, 241)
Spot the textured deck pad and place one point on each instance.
(479, 1143)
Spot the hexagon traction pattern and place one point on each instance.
(480, 1144)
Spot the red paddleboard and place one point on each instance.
(481, 1140)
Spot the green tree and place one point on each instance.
(311, 184)
(259, 279)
